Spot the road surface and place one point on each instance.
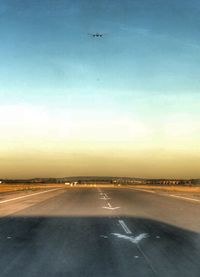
(100, 232)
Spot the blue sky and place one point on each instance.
(142, 78)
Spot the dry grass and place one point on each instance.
(25, 186)
(170, 188)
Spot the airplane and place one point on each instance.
(96, 35)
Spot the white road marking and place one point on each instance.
(105, 237)
(24, 196)
(148, 261)
(150, 191)
(169, 195)
(186, 198)
(132, 239)
(109, 207)
(103, 195)
(136, 241)
(125, 227)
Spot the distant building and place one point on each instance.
(170, 182)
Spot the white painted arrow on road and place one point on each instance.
(109, 207)
(105, 198)
(133, 239)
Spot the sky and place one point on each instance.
(127, 104)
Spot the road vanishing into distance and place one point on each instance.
(100, 232)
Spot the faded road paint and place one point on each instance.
(24, 196)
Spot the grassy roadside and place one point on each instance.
(25, 187)
(170, 188)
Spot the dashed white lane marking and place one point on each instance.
(24, 196)
(125, 227)
(169, 195)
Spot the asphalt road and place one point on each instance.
(100, 232)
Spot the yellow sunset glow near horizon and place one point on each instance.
(38, 141)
